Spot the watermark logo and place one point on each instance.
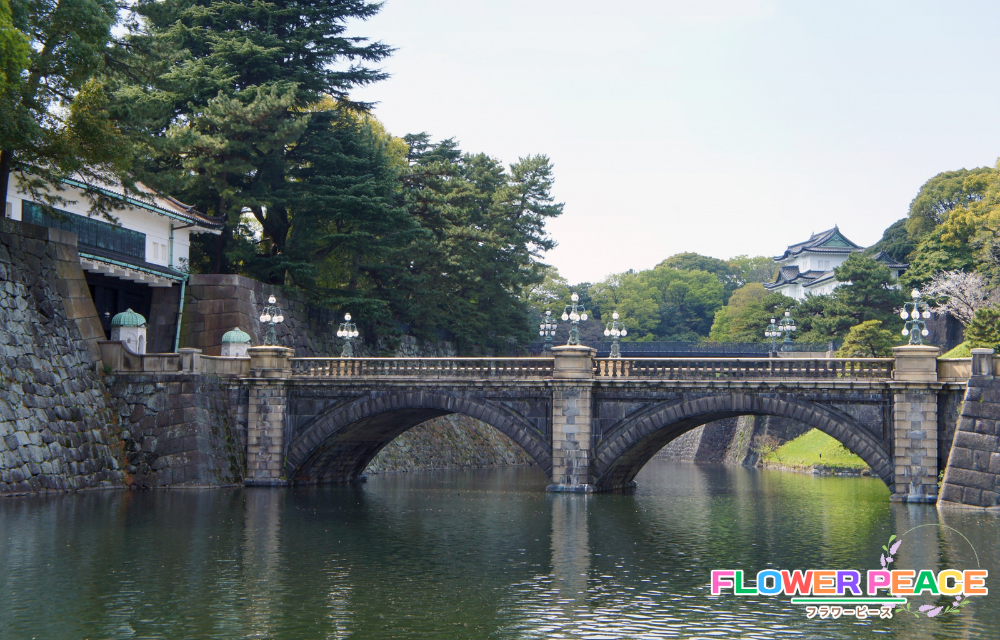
(832, 593)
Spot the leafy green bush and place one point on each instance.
(983, 332)
(867, 340)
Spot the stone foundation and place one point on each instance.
(972, 477)
(58, 430)
(179, 429)
(450, 442)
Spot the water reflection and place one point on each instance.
(468, 555)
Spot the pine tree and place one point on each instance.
(228, 87)
(345, 244)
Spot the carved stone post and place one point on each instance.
(270, 371)
(190, 359)
(915, 425)
(982, 362)
(573, 380)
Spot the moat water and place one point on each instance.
(477, 554)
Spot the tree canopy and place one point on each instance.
(867, 340)
(748, 314)
(983, 332)
(55, 60)
(226, 90)
(942, 193)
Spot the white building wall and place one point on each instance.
(154, 225)
(808, 261)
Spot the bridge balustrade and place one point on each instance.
(745, 368)
(874, 369)
(477, 368)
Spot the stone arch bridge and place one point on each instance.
(591, 424)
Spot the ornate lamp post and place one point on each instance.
(915, 313)
(788, 326)
(616, 330)
(347, 331)
(548, 329)
(271, 316)
(773, 332)
(574, 313)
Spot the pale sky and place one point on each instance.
(723, 127)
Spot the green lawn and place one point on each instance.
(815, 448)
(961, 351)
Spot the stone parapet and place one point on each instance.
(270, 362)
(573, 362)
(982, 362)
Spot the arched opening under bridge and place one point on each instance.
(340, 442)
(620, 455)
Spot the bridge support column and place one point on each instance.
(915, 425)
(573, 380)
(270, 370)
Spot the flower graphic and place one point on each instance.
(889, 550)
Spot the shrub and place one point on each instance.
(867, 340)
(983, 332)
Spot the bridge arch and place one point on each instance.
(341, 441)
(634, 441)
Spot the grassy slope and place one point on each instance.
(815, 448)
(961, 351)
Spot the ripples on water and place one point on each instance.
(481, 554)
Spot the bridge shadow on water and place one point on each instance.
(467, 554)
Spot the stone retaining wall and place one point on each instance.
(58, 429)
(181, 429)
(455, 441)
(214, 304)
(730, 441)
(972, 477)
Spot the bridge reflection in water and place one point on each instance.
(476, 554)
(590, 423)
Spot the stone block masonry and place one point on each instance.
(58, 429)
(730, 440)
(266, 433)
(916, 446)
(455, 441)
(571, 438)
(216, 303)
(181, 429)
(972, 477)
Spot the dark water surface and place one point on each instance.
(481, 554)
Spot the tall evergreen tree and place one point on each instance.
(482, 231)
(346, 242)
(227, 87)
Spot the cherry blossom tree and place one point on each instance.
(960, 293)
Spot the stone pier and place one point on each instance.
(270, 370)
(572, 438)
(915, 424)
